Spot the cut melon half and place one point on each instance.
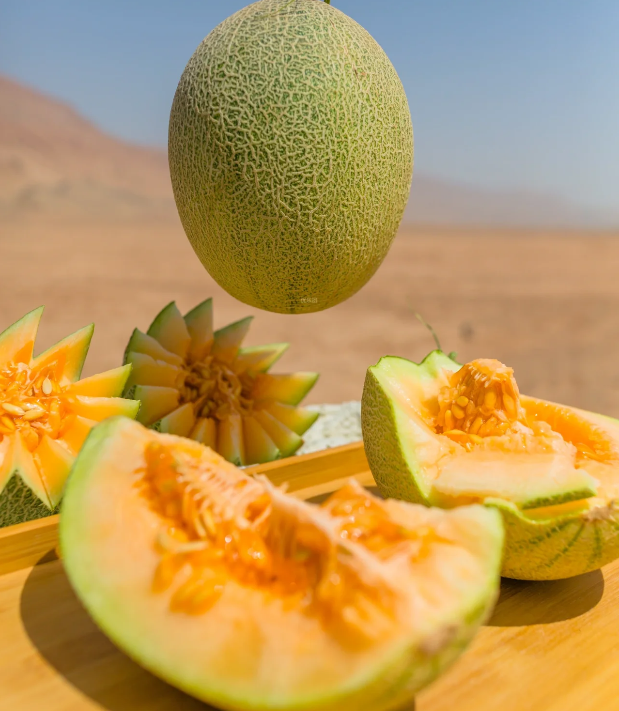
(46, 413)
(249, 598)
(443, 434)
(240, 409)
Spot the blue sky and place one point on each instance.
(514, 94)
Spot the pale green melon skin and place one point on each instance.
(19, 504)
(548, 549)
(291, 155)
(395, 681)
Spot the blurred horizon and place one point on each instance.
(504, 99)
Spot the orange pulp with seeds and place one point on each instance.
(33, 403)
(482, 400)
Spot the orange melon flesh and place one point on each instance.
(183, 364)
(17, 342)
(68, 355)
(444, 434)
(46, 414)
(213, 601)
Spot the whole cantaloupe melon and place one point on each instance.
(291, 155)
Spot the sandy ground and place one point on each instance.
(545, 303)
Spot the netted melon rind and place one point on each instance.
(291, 155)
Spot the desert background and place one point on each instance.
(88, 227)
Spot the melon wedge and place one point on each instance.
(443, 434)
(147, 345)
(257, 600)
(240, 409)
(170, 329)
(46, 413)
(199, 323)
(17, 341)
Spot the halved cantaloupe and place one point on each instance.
(200, 383)
(46, 413)
(249, 598)
(444, 434)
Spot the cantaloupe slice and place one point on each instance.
(238, 408)
(180, 421)
(148, 371)
(199, 323)
(230, 440)
(227, 341)
(284, 438)
(46, 414)
(109, 384)
(444, 434)
(170, 329)
(17, 341)
(259, 359)
(249, 598)
(205, 432)
(298, 419)
(156, 402)
(259, 447)
(288, 388)
(143, 343)
(67, 357)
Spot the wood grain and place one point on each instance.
(551, 646)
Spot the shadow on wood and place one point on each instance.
(69, 641)
(524, 602)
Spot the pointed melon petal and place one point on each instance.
(284, 438)
(205, 431)
(259, 358)
(259, 447)
(68, 355)
(179, 422)
(109, 384)
(143, 343)
(24, 463)
(148, 371)
(288, 388)
(170, 330)
(298, 419)
(54, 462)
(75, 435)
(230, 439)
(156, 402)
(100, 408)
(200, 326)
(227, 341)
(17, 341)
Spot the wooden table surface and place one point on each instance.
(550, 646)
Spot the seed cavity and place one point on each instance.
(219, 526)
(32, 402)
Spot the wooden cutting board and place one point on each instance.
(550, 646)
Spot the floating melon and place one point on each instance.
(199, 383)
(248, 598)
(46, 412)
(291, 155)
(443, 434)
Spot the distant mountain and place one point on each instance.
(53, 162)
